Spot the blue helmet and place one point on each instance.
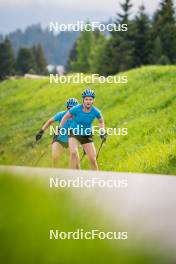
(88, 93)
(72, 102)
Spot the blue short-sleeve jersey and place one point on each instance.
(64, 130)
(83, 120)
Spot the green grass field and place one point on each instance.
(146, 106)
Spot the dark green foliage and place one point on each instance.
(83, 49)
(97, 51)
(164, 27)
(72, 57)
(25, 62)
(157, 50)
(142, 41)
(40, 59)
(146, 42)
(126, 6)
(119, 52)
(6, 59)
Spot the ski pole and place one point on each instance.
(83, 155)
(103, 141)
(99, 150)
(41, 156)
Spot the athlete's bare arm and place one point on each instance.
(101, 122)
(64, 119)
(44, 127)
(48, 123)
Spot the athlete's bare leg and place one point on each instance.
(57, 150)
(91, 154)
(74, 154)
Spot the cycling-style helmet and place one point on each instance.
(88, 93)
(72, 102)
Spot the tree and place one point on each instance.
(142, 39)
(119, 51)
(83, 48)
(157, 50)
(88, 58)
(96, 54)
(56, 46)
(25, 61)
(164, 26)
(72, 57)
(126, 7)
(40, 59)
(6, 59)
(164, 60)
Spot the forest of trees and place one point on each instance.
(56, 46)
(147, 41)
(28, 60)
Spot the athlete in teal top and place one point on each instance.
(63, 135)
(59, 141)
(80, 129)
(83, 120)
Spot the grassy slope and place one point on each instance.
(146, 106)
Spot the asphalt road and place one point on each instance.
(144, 203)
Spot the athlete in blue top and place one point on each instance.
(60, 141)
(81, 129)
(82, 122)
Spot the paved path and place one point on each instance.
(147, 207)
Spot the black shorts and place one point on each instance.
(82, 139)
(55, 139)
